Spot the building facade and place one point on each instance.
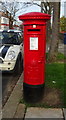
(4, 22)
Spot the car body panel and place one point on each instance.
(7, 64)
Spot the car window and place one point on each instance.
(10, 38)
(20, 37)
(1, 38)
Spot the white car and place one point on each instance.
(10, 50)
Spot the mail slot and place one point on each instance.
(33, 30)
(34, 54)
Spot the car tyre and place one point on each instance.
(18, 69)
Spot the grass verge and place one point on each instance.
(55, 79)
(55, 75)
(60, 57)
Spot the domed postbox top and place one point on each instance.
(35, 16)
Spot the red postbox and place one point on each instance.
(34, 54)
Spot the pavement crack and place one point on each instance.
(25, 112)
(63, 114)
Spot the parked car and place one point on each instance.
(10, 50)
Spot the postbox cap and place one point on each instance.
(35, 16)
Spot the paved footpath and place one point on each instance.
(44, 113)
(14, 109)
(13, 101)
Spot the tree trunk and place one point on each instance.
(48, 30)
(10, 22)
(49, 27)
(55, 32)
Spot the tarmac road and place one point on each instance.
(8, 83)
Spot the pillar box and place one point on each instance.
(34, 54)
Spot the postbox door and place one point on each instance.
(34, 59)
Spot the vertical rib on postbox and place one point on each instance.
(34, 54)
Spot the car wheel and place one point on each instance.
(18, 66)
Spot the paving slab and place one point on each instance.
(0, 115)
(20, 111)
(34, 112)
(64, 111)
(13, 101)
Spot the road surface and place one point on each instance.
(8, 83)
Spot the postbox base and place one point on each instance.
(33, 93)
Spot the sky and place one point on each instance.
(63, 8)
(35, 8)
